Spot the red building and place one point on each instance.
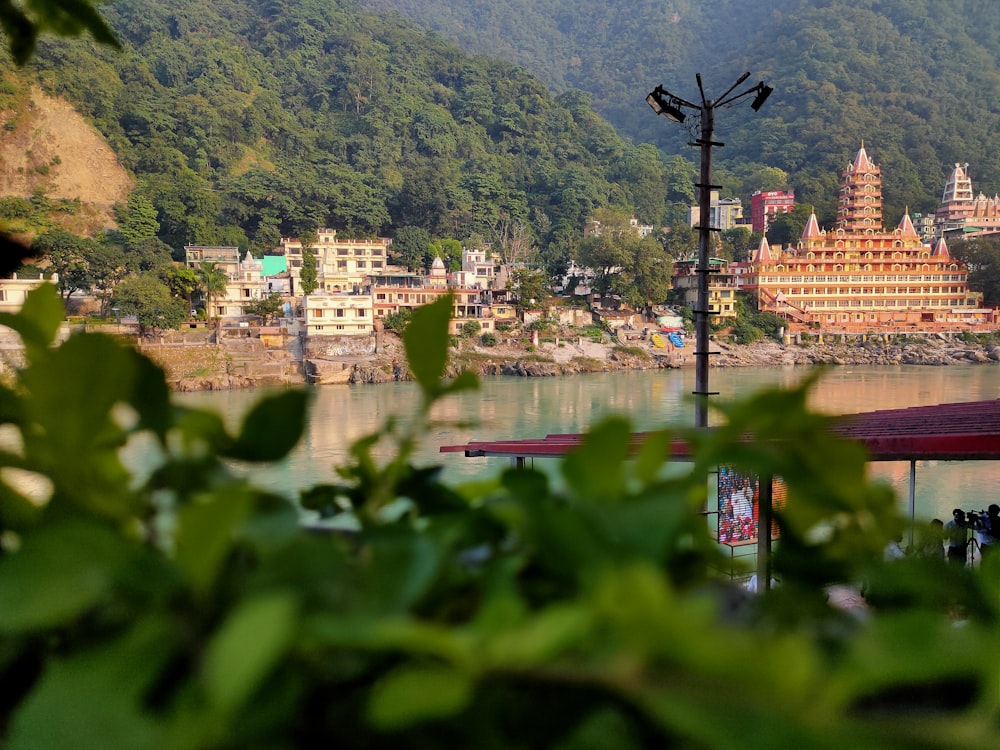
(765, 205)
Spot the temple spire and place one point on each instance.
(906, 227)
(812, 230)
(763, 254)
(941, 250)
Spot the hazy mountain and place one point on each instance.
(917, 80)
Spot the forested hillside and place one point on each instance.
(917, 80)
(243, 122)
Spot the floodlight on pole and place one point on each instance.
(662, 102)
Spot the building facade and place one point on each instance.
(342, 265)
(963, 213)
(858, 276)
(765, 205)
(723, 283)
(724, 213)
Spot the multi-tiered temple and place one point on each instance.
(860, 277)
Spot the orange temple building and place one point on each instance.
(858, 277)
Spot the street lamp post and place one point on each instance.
(672, 107)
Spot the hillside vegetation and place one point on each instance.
(918, 81)
(244, 122)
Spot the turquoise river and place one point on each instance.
(533, 407)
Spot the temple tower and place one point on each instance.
(859, 205)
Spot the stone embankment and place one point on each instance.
(201, 365)
(872, 352)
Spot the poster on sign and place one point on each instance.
(738, 510)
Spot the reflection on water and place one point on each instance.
(534, 407)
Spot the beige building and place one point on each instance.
(723, 283)
(338, 314)
(14, 291)
(342, 265)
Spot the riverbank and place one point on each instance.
(248, 363)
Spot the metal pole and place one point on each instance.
(764, 515)
(701, 313)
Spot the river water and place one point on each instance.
(533, 407)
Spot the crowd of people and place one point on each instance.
(969, 530)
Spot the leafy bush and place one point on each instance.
(746, 333)
(187, 608)
(470, 329)
(488, 339)
(397, 321)
(504, 326)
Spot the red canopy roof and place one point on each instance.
(968, 431)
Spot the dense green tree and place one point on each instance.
(138, 221)
(786, 229)
(266, 307)
(982, 257)
(150, 301)
(606, 255)
(646, 279)
(182, 281)
(308, 274)
(410, 246)
(680, 241)
(531, 285)
(68, 256)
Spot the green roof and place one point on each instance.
(274, 264)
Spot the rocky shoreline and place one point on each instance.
(931, 352)
(211, 367)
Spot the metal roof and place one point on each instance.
(967, 431)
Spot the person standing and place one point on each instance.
(956, 532)
(989, 531)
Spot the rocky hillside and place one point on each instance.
(47, 146)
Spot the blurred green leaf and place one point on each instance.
(206, 531)
(272, 428)
(254, 638)
(41, 315)
(94, 698)
(59, 573)
(595, 469)
(426, 343)
(411, 695)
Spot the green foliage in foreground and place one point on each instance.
(188, 609)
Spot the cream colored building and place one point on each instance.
(14, 291)
(338, 314)
(342, 265)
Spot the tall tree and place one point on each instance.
(138, 221)
(67, 256)
(212, 279)
(308, 275)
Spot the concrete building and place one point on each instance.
(765, 205)
(724, 213)
(338, 314)
(723, 283)
(342, 265)
(963, 213)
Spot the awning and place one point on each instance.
(967, 431)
